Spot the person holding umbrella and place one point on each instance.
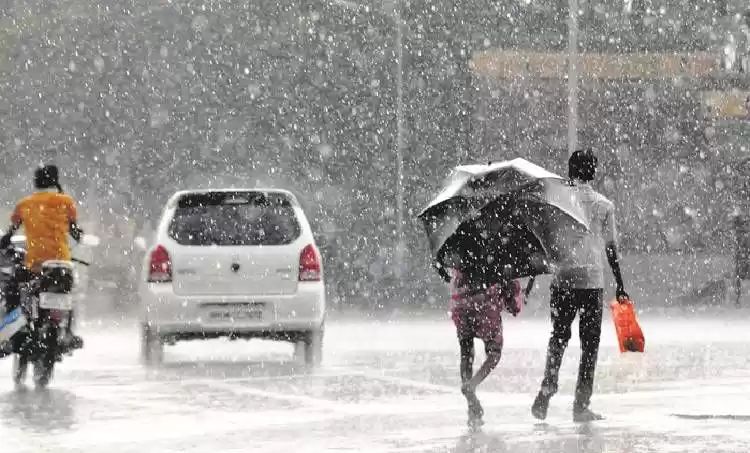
(578, 287)
(479, 293)
(487, 229)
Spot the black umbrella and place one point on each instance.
(494, 220)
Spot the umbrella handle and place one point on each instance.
(529, 287)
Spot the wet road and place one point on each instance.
(386, 387)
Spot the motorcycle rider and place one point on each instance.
(48, 215)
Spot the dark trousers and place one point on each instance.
(565, 304)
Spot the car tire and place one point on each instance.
(152, 346)
(313, 342)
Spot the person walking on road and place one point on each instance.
(476, 312)
(578, 288)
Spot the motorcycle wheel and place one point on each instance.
(44, 366)
(43, 370)
(20, 366)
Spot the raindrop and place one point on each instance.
(159, 116)
(99, 63)
(254, 90)
(325, 150)
(199, 23)
(110, 156)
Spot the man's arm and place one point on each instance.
(614, 263)
(610, 231)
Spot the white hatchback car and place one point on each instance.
(233, 263)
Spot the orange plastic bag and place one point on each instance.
(629, 333)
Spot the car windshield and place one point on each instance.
(237, 219)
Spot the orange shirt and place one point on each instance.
(46, 218)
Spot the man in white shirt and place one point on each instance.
(578, 287)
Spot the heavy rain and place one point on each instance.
(268, 203)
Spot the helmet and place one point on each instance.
(582, 165)
(47, 177)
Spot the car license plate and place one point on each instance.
(235, 313)
(55, 301)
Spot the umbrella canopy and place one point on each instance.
(494, 246)
(472, 181)
(496, 217)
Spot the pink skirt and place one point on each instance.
(477, 317)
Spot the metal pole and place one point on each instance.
(572, 75)
(399, 136)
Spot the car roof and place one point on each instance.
(173, 199)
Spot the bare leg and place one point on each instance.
(467, 359)
(467, 370)
(493, 348)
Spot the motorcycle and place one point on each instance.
(42, 306)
